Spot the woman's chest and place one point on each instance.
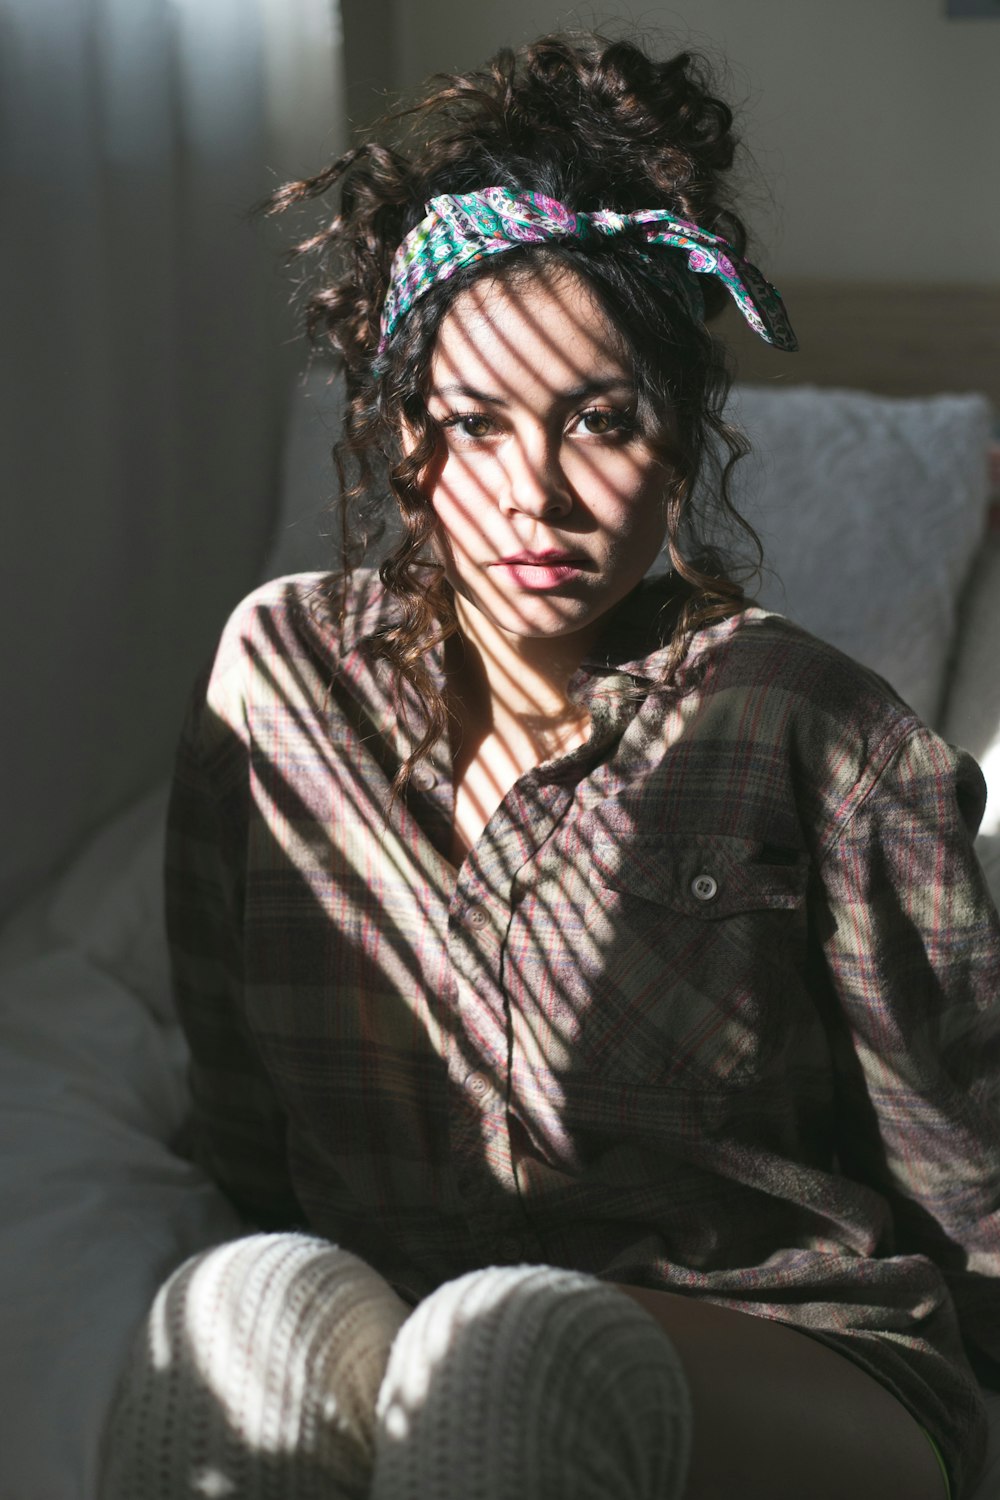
(644, 922)
(485, 775)
(658, 959)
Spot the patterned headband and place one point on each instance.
(462, 228)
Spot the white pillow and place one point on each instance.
(108, 905)
(97, 1209)
(870, 510)
(972, 713)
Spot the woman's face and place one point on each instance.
(549, 498)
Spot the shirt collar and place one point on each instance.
(368, 608)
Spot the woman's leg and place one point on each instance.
(531, 1383)
(528, 1383)
(779, 1416)
(255, 1375)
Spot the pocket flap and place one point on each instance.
(704, 875)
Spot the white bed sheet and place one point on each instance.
(97, 1208)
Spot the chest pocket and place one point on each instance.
(702, 943)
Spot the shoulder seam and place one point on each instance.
(907, 727)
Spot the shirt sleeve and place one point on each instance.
(912, 944)
(239, 1125)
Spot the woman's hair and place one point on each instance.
(594, 123)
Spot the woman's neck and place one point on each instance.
(512, 685)
(510, 710)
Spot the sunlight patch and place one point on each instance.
(212, 1483)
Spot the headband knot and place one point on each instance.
(462, 228)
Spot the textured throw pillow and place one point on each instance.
(870, 510)
(972, 713)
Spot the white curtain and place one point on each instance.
(146, 355)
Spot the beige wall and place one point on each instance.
(875, 124)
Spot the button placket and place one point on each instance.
(478, 1085)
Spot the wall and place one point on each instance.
(874, 125)
(372, 63)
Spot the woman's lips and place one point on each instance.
(541, 570)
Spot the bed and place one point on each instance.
(881, 525)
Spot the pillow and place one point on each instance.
(97, 1209)
(972, 713)
(108, 906)
(870, 510)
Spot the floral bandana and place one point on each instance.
(461, 228)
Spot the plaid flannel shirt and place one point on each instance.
(711, 1006)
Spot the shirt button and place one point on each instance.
(510, 1247)
(704, 887)
(478, 1084)
(477, 916)
(424, 778)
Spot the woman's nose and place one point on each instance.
(535, 483)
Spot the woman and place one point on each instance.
(597, 969)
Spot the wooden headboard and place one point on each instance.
(894, 340)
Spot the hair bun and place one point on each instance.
(592, 122)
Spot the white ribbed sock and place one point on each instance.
(531, 1383)
(255, 1376)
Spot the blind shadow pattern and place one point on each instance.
(684, 1013)
(566, 1051)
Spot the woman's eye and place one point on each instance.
(602, 421)
(469, 424)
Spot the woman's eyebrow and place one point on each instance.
(581, 392)
(456, 388)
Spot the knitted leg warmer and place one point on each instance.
(531, 1383)
(255, 1376)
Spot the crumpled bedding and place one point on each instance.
(97, 1207)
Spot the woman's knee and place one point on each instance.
(535, 1382)
(259, 1362)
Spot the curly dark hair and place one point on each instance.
(595, 123)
